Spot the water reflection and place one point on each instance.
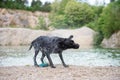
(19, 55)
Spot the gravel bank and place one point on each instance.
(59, 73)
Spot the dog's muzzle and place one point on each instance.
(76, 46)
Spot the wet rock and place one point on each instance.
(113, 41)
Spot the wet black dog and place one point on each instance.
(48, 45)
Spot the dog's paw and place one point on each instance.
(66, 65)
(36, 65)
(53, 67)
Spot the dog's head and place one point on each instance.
(68, 43)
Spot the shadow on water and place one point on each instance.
(19, 55)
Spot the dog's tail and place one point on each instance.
(30, 47)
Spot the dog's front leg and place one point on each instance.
(61, 57)
(50, 61)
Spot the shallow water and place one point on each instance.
(20, 56)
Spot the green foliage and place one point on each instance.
(78, 13)
(62, 6)
(59, 21)
(46, 7)
(57, 16)
(98, 38)
(21, 4)
(58, 6)
(12, 4)
(109, 21)
(70, 14)
(55, 7)
(42, 24)
(36, 5)
(97, 11)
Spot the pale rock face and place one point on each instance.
(18, 36)
(22, 36)
(21, 18)
(113, 41)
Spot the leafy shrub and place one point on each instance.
(71, 14)
(109, 21)
(59, 21)
(98, 38)
(78, 13)
(42, 24)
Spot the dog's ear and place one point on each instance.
(71, 36)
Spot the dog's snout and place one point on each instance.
(76, 46)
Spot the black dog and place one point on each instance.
(48, 45)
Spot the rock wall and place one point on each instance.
(21, 18)
(113, 41)
(22, 36)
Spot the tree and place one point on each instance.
(36, 5)
(12, 4)
(62, 6)
(109, 21)
(23, 5)
(71, 14)
(97, 12)
(19, 4)
(78, 14)
(57, 16)
(46, 7)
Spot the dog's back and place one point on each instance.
(45, 42)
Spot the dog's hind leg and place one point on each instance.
(34, 58)
(42, 57)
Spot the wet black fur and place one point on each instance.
(48, 45)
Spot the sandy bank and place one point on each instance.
(22, 36)
(59, 73)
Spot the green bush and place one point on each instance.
(42, 24)
(21, 4)
(71, 14)
(106, 23)
(109, 21)
(59, 21)
(78, 13)
(98, 38)
(94, 24)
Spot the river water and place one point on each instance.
(20, 56)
